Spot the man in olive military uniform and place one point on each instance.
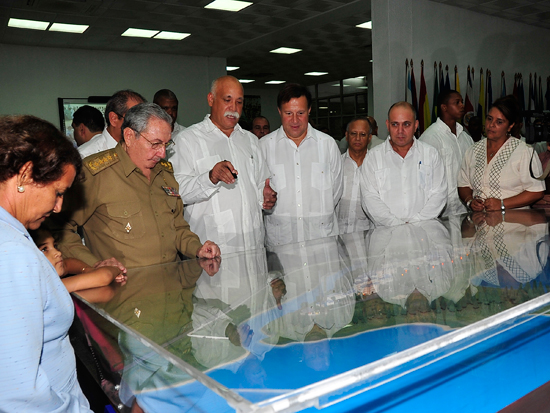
(128, 203)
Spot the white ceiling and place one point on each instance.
(324, 29)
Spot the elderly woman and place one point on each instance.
(37, 363)
(495, 171)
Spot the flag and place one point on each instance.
(541, 101)
(413, 90)
(530, 99)
(547, 94)
(447, 82)
(423, 103)
(515, 91)
(521, 92)
(407, 81)
(436, 93)
(489, 100)
(468, 107)
(441, 79)
(481, 102)
(502, 85)
(457, 80)
(535, 93)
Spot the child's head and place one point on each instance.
(45, 243)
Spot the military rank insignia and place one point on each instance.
(171, 191)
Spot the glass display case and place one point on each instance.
(446, 313)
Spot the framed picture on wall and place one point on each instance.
(68, 106)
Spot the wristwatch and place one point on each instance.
(469, 203)
(502, 208)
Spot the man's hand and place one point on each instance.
(223, 171)
(270, 196)
(492, 204)
(209, 250)
(477, 205)
(210, 266)
(111, 262)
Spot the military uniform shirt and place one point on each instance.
(125, 216)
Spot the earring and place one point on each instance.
(20, 188)
(508, 134)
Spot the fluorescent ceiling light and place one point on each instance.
(228, 5)
(274, 82)
(338, 84)
(366, 25)
(28, 24)
(231, 68)
(246, 80)
(172, 35)
(316, 73)
(370, 60)
(323, 107)
(359, 77)
(139, 33)
(68, 28)
(285, 50)
(362, 87)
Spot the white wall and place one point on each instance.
(421, 29)
(34, 77)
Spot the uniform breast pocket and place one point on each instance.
(126, 219)
(278, 178)
(207, 163)
(382, 181)
(425, 176)
(171, 201)
(320, 176)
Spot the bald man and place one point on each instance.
(222, 173)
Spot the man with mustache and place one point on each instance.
(451, 141)
(403, 179)
(222, 173)
(128, 204)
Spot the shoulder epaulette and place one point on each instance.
(167, 166)
(102, 161)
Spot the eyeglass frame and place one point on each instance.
(157, 145)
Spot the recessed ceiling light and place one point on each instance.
(338, 84)
(274, 82)
(246, 80)
(68, 28)
(285, 50)
(370, 60)
(228, 5)
(28, 24)
(231, 68)
(366, 25)
(171, 35)
(362, 87)
(316, 73)
(139, 33)
(359, 77)
(323, 107)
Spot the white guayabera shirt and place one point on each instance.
(398, 190)
(308, 181)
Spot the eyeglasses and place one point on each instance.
(156, 145)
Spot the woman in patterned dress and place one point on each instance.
(495, 171)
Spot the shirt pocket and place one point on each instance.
(207, 163)
(382, 179)
(425, 176)
(320, 176)
(172, 201)
(126, 219)
(278, 177)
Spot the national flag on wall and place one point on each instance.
(489, 100)
(502, 85)
(441, 79)
(535, 93)
(530, 99)
(521, 92)
(413, 90)
(468, 106)
(436, 94)
(447, 82)
(515, 91)
(407, 81)
(457, 80)
(481, 101)
(423, 103)
(547, 93)
(541, 101)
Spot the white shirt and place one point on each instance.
(451, 149)
(98, 143)
(177, 129)
(229, 215)
(398, 190)
(351, 217)
(308, 180)
(514, 177)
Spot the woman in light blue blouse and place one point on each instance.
(37, 363)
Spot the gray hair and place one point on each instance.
(137, 118)
(363, 119)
